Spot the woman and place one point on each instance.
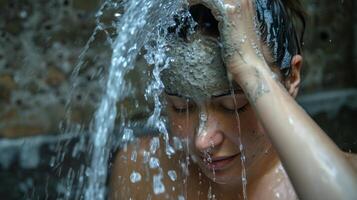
(244, 135)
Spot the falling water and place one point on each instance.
(81, 61)
(143, 24)
(241, 148)
(141, 18)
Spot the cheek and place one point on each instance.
(237, 126)
(255, 141)
(230, 128)
(254, 138)
(182, 126)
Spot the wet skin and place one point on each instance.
(330, 175)
(215, 146)
(317, 168)
(230, 117)
(271, 178)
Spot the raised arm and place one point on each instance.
(315, 165)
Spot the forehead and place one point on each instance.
(196, 69)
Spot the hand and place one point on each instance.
(242, 51)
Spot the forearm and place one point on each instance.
(316, 167)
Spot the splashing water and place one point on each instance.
(210, 195)
(154, 163)
(203, 122)
(135, 27)
(135, 177)
(157, 57)
(172, 174)
(142, 21)
(158, 186)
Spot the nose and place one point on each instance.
(209, 134)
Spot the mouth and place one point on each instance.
(219, 163)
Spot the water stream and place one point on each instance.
(140, 20)
(144, 24)
(241, 148)
(141, 24)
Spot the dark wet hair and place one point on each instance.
(277, 21)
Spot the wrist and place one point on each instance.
(252, 75)
(255, 83)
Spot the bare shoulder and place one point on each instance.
(139, 153)
(352, 158)
(137, 166)
(275, 184)
(126, 166)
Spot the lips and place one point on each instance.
(219, 163)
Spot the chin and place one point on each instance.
(226, 180)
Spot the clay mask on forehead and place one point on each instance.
(197, 69)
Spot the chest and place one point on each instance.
(274, 184)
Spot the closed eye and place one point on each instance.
(233, 103)
(233, 108)
(180, 104)
(182, 109)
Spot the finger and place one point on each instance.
(252, 46)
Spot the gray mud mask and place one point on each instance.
(197, 69)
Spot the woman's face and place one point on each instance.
(214, 128)
(204, 111)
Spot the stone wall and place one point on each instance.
(330, 67)
(41, 43)
(329, 50)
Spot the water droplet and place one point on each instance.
(135, 177)
(99, 13)
(133, 156)
(266, 151)
(128, 135)
(146, 156)
(177, 143)
(180, 197)
(184, 168)
(172, 175)
(159, 187)
(169, 150)
(277, 195)
(154, 163)
(23, 14)
(154, 144)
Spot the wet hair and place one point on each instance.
(277, 19)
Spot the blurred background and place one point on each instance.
(41, 42)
